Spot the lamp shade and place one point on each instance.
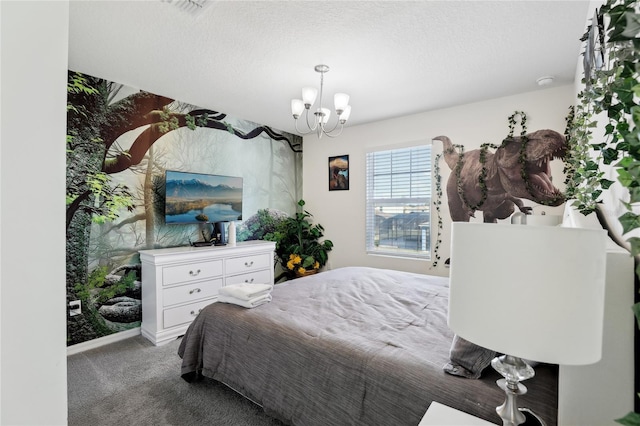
(326, 113)
(345, 114)
(297, 106)
(309, 95)
(535, 292)
(340, 100)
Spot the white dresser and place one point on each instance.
(177, 283)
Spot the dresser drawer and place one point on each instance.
(184, 314)
(191, 292)
(239, 265)
(191, 272)
(258, 277)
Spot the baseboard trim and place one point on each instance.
(101, 341)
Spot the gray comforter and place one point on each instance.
(352, 346)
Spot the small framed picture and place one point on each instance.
(339, 173)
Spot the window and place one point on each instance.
(399, 202)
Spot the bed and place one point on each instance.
(351, 346)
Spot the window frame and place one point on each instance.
(425, 202)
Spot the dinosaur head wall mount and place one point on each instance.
(495, 183)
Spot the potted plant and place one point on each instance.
(298, 247)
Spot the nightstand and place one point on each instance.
(441, 415)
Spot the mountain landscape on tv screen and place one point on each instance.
(194, 188)
(193, 201)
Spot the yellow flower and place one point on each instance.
(301, 270)
(316, 265)
(294, 260)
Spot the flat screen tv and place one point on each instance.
(201, 198)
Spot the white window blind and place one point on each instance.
(398, 202)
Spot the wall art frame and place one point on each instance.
(339, 173)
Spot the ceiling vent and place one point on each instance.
(192, 7)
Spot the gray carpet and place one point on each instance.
(132, 382)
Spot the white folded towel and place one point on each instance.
(251, 303)
(245, 291)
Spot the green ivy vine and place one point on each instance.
(609, 90)
(610, 93)
(438, 204)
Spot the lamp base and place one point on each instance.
(513, 369)
(531, 418)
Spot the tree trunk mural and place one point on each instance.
(148, 201)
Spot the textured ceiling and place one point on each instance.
(249, 59)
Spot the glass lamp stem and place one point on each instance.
(508, 411)
(513, 369)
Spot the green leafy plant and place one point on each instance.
(264, 222)
(298, 245)
(610, 94)
(609, 90)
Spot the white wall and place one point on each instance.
(33, 363)
(342, 213)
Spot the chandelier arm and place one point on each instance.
(334, 127)
(329, 133)
(301, 131)
(315, 125)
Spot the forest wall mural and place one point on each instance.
(120, 142)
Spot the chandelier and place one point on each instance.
(319, 123)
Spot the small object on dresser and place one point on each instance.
(219, 234)
(202, 243)
(232, 234)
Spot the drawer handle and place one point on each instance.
(248, 264)
(249, 281)
(194, 313)
(195, 290)
(194, 274)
